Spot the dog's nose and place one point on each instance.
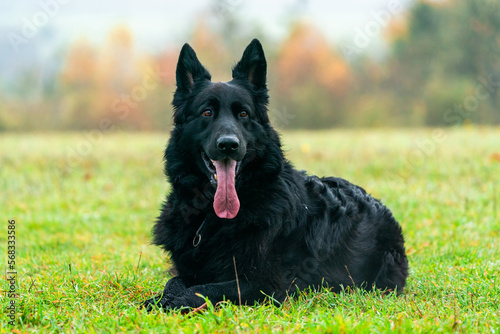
(228, 144)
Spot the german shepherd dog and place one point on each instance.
(241, 224)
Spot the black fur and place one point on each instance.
(292, 231)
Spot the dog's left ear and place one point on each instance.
(252, 66)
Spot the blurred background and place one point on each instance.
(75, 65)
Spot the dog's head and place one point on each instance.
(220, 126)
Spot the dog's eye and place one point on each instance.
(207, 113)
(243, 113)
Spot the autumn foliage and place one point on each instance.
(440, 68)
(311, 79)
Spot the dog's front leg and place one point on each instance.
(174, 287)
(242, 292)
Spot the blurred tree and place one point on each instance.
(112, 84)
(120, 74)
(311, 79)
(442, 68)
(445, 52)
(211, 50)
(78, 83)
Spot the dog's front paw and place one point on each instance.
(165, 300)
(187, 302)
(167, 303)
(157, 302)
(182, 303)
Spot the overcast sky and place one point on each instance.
(159, 24)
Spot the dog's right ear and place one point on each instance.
(189, 70)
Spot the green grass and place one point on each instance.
(83, 228)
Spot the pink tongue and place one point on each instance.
(226, 202)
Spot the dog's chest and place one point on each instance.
(216, 252)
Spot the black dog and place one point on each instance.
(241, 223)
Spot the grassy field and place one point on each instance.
(84, 206)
